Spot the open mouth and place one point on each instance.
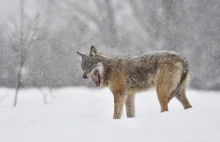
(96, 78)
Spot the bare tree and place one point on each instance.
(21, 40)
(107, 22)
(104, 19)
(46, 95)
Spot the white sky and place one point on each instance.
(7, 7)
(11, 8)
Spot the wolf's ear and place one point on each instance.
(80, 54)
(93, 51)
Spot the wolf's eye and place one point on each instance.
(83, 66)
(90, 64)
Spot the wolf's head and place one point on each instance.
(92, 66)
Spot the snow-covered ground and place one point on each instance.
(85, 115)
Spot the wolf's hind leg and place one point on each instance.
(119, 101)
(165, 89)
(167, 79)
(163, 98)
(182, 98)
(130, 106)
(181, 95)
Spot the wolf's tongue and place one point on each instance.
(95, 79)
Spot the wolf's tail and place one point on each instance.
(185, 72)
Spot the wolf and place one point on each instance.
(127, 75)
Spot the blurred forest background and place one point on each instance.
(39, 38)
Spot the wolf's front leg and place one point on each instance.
(119, 101)
(130, 106)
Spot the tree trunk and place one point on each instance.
(18, 83)
(21, 52)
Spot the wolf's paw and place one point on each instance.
(187, 107)
(130, 116)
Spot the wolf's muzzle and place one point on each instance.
(85, 76)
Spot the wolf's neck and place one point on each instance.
(106, 70)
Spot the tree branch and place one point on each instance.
(34, 30)
(12, 38)
(79, 11)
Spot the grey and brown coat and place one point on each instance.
(126, 76)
